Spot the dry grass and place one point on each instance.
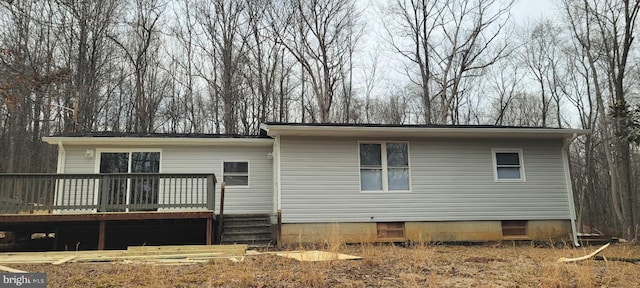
(501, 265)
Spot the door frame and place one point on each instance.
(98, 153)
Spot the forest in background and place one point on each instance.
(225, 66)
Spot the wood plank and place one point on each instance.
(234, 247)
(64, 260)
(150, 257)
(208, 231)
(133, 253)
(9, 269)
(101, 236)
(563, 259)
(622, 259)
(105, 216)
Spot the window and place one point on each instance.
(384, 166)
(236, 173)
(508, 165)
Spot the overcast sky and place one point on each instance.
(528, 10)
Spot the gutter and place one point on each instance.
(567, 175)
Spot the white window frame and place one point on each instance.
(495, 151)
(385, 168)
(248, 173)
(99, 151)
(98, 155)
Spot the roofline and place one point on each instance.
(142, 141)
(421, 131)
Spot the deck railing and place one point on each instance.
(124, 192)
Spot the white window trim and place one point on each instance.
(495, 164)
(248, 174)
(385, 168)
(98, 155)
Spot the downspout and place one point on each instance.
(61, 158)
(567, 177)
(277, 199)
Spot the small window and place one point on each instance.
(236, 173)
(384, 166)
(508, 165)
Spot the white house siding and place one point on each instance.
(452, 180)
(76, 163)
(257, 198)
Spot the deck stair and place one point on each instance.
(251, 229)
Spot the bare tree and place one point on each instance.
(86, 25)
(605, 31)
(318, 33)
(505, 79)
(142, 50)
(541, 53)
(29, 74)
(225, 47)
(447, 42)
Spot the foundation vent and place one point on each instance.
(390, 230)
(514, 229)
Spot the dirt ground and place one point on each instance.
(497, 265)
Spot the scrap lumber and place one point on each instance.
(564, 260)
(186, 253)
(621, 259)
(236, 249)
(9, 269)
(64, 260)
(150, 257)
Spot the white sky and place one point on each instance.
(529, 10)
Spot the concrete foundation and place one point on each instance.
(445, 231)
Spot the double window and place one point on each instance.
(236, 173)
(508, 165)
(384, 166)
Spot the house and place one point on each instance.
(312, 182)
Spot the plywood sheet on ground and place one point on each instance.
(316, 255)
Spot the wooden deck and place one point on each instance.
(105, 192)
(92, 210)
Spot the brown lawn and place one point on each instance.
(502, 265)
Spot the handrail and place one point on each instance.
(37, 193)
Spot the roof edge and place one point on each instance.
(141, 141)
(422, 131)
